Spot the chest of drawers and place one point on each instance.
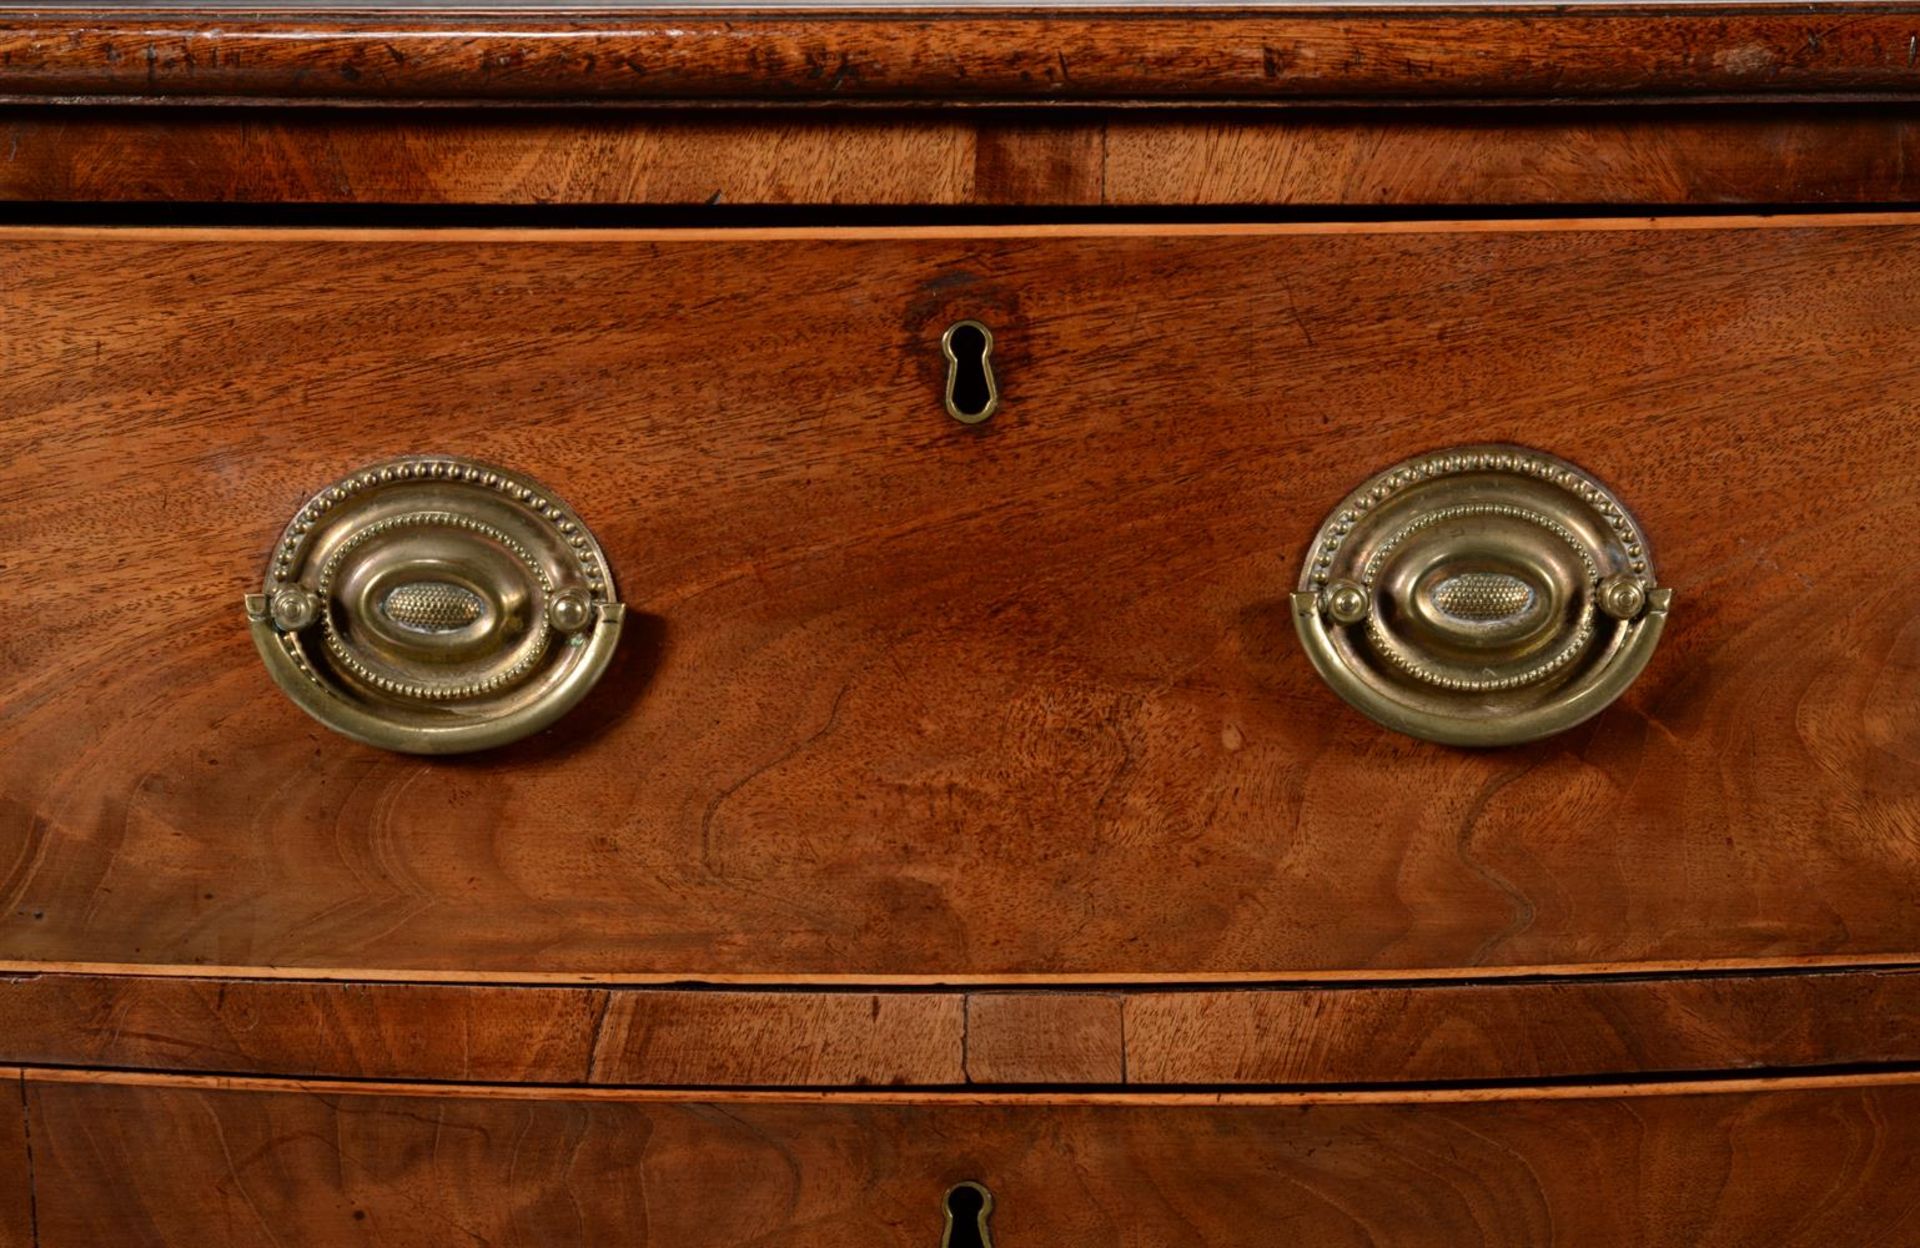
(1024, 626)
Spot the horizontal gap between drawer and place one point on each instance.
(1492, 105)
(744, 216)
(1105, 983)
(1679, 1083)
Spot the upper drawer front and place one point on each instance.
(903, 696)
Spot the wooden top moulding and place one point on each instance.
(959, 54)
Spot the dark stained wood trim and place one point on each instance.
(683, 1037)
(1130, 158)
(1347, 54)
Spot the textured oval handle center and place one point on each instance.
(432, 606)
(1483, 597)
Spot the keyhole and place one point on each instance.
(969, 1205)
(972, 395)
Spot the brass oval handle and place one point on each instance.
(1483, 595)
(436, 605)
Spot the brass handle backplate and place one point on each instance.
(435, 605)
(1484, 595)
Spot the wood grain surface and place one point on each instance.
(1507, 157)
(790, 1039)
(485, 1033)
(374, 1031)
(1046, 1037)
(1808, 1167)
(1784, 155)
(1545, 52)
(906, 698)
(17, 1214)
(1595, 1027)
(1566, 1030)
(430, 157)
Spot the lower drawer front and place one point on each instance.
(194, 1162)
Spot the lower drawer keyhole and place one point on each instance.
(972, 393)
(969, 1205)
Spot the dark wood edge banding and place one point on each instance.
(1739, 52)
(1301, 1036)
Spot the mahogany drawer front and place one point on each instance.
(122, 1160)
(905, 698)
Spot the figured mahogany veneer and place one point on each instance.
(1575, 1028)
(1130, 159)
(1789, 1164)
(1047, 53)
(961, 805)
(907, 699)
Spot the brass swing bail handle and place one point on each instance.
(1483, 595)
(436, 605)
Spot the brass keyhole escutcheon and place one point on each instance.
(972, 393)
(968, 1207)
